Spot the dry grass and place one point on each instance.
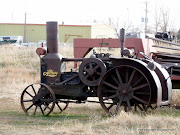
(176, 97)
(20, 67)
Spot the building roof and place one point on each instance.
(59, 24)
(44, 24)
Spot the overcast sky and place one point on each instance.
(84, 11)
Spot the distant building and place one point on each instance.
(37, 32)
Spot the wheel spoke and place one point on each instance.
(29, 94)
(127, 75)
(27, 100)
(85, 69)
(140, 86)
(29, 107)
(35, 110)
(116, 81)
(33, 89)
(59, 107)
(119, 77)
(125, 108)
(41, 110)
(110, 106)
(139, 106)
(129, 105)
(90, 66)
(96, 67)
(138, 81)
(110, 85)
(143, 106)
(131, 77)
(140, 100)
(142, 93)
(142, 109)
(98, 73)
(135, 107)
(118, 106)
(46, 106)
(86, 77)
(153, 108)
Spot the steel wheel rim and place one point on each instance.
(35, 104)
(130, 100)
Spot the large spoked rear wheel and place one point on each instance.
(38, 99)
(124, 88)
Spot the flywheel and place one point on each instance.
(91, 71)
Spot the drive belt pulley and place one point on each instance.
(91, 71)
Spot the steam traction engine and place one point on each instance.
(127, 83)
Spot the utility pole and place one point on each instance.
(25, 29)
(12, 15)
(146, 19)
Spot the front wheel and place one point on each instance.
(38, 99)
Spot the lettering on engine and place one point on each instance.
(50, 73)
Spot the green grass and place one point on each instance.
(17, 118)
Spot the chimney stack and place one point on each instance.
(52, 37)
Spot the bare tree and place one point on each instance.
(172, 25)
(135, 29)
(157, 20)
(117, 25)
(165, 19)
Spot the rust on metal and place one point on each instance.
(41, 51)
(52, 37)
(91, 71)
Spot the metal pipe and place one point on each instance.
(81, 59)
(52, 37)
(122, 35)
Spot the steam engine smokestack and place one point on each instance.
(52, 37)
(122, 38)
(51, 61)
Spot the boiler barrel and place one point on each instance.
(52, 37)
